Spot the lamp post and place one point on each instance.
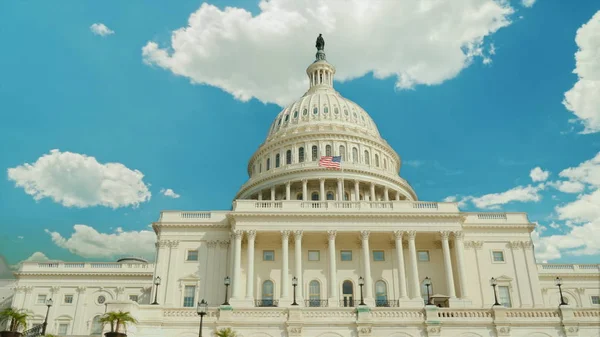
(226, 282)
(48, 304)
(558, 282)
(156, 283)
(201, 310)
(494, 283)
(427, 283)
(294, 284)
(361, 283)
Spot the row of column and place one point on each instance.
(340, 191)
(412, 279)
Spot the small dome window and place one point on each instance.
(314, 196)
(299, 196)
(315, 110)
(305, 112)
(287, 117)
(277, 160)
(268, 164)
(336, 110)
(288, 157)
(328, 151)
(301, 155)
(279, 122)
(314, 153)
(354, 114)
(329, 195)
(325, 110)
(363, 118)
(345, 112)
(296, 114)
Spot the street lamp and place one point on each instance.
(361, 283)
(558, 282)
(427, 283)
(294, 284)
(226, 282)
(201, 310)
(48, 304)
(156, 283)
(494, 283)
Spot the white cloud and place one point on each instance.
(416, 42)
(89, 243)
(37, 257)
(169, 193)
(527, 3)
(413, 163)
(101, 29)
(462, 201)
(20, 237)
(587, 172)
(585, 208)
(537, 174)
(580, 240)
(568, 186)
(520, 193)
(584, 98)
(76, 180)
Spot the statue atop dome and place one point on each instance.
(320, 43)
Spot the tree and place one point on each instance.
(17, 319)
(117, 319)
(226, 333)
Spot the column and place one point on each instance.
(237, 268)
(364, 236)
(170, 288)
(400, 259)
(78, 321)
(273, 193)
(231, 252)
(285, 273)
(208, 280)
(298, 265)
(288, 190)
(251, 236)
(340, 189)
(260, 195)
(386, 194)
(304, 189)
(119, 291)
(448, 264)
(536, 292)
(322, 189)
(414, 270)
(397, 196)
(356, 190)
(459, 251)
(332, 269)
(372, 192)
(161, 269)
(522, 280)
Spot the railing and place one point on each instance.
(35, 331)
(196, 215)
(464, 313)
(344, 206)
(266, 303)
(553, 268)
(491, 216)
(387, 303)
(348, 303)
(86, 266)
(316, 303)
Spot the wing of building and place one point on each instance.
(312, 249)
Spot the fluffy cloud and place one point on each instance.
(580, 240)
(520, 193)
(101, 29)
(461, 201)
(264, 56)
(537, 174)
(527, 3)
(89, 243)
(37, 257)
(169, 193)
(584, 98)
(587, 172)
(568, 186)
(76, 180)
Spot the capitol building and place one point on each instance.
(325, 239)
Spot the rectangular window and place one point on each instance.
(68, 299)
(62, 328)
(314, 255)
(498, 256)
(41, 299)
(189, 296)
(596, 300)
(192, 255)
(346, 255)
(504, 296)
(378, 255)
(423, 255)
(134, 298)
(268, 255)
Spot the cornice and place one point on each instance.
(498, 225)
(193, 224)
(234, 215)
(94, 273)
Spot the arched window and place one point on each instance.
(314, 294)
(260, 168)
(305, 112)
(314, 153)
(296, 114)
(267, 293)
(330, 195)
(314, 196)
(367, 159)
(362, 197)
(287, 118)
(348, 294)
(328, 150)
(96, 326)
(343, 152)
(288, 157)
(346, 196)
(354, 155)
(325, 110)
(268, 164)
(385, 163)
(376, 160)
(381, 294)
(301, 155)
(315, 111)
(277, 160)
(299, 196)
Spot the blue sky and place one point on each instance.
(471, 113)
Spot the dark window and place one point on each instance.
(314, 153)
(328, 150)
(277, 160)
(301, 155)
(314, 196)
(268, 164)
(288, 157)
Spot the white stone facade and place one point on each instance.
(328, 229)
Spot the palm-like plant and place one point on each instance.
(17, 319)
(116, 319)
(226, 333)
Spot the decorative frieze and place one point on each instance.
(398, 235)
(54, 290)
(411, 235)
(331, 235)
(251, 234)
(211, 244)
(364, 235)
(474, 244)
(298, 235)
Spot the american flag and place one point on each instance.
(331, 162)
